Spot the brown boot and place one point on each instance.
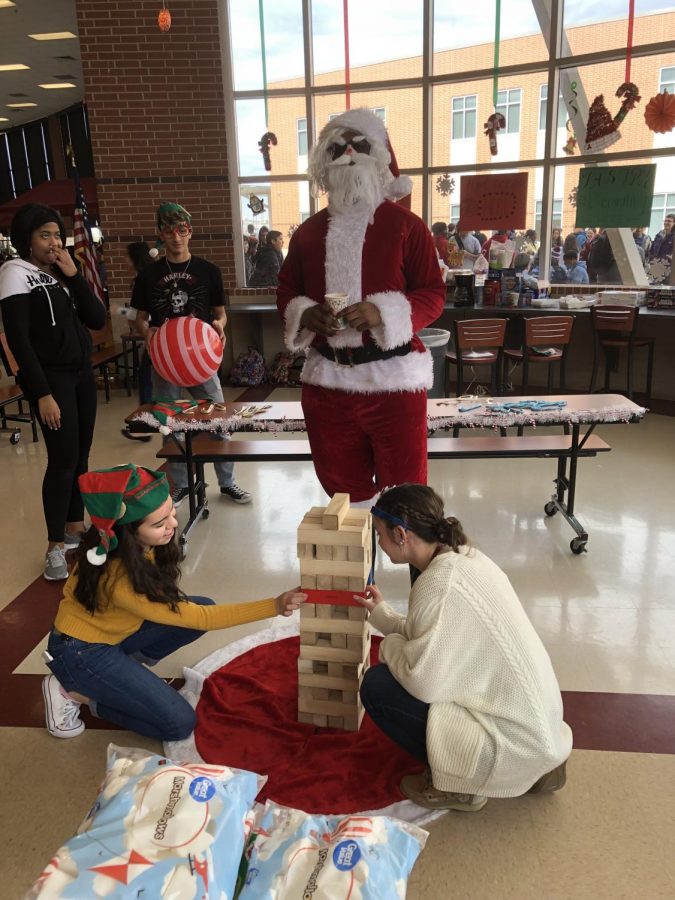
(420, 789)
(550, 782)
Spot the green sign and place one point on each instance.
(616, 197)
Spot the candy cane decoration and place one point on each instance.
(496, 122)
(264, 146)
(631, 94)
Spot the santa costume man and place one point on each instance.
(364, 385)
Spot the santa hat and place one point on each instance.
(365, 122)
(117, 496)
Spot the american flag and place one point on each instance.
(84, 245)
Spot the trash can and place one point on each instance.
(436, 341)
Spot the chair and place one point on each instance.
(13, 394)
(105, 352)
(547, 340)
(477, 342)
(614, 330)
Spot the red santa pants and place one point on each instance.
(362, 443)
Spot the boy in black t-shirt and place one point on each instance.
(180, 285)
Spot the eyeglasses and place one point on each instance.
(360, 144)
(181, 230)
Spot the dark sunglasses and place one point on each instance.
(335, 151)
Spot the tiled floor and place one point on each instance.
(607, 619)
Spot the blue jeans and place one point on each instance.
(210, 390)
(401, 716)
(120, 688)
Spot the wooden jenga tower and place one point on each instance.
(334, 548)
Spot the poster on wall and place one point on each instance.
(616, 197)
(493, 202)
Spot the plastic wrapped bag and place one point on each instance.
(157, 829)
(292, 854)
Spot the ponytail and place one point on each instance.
(420, 509)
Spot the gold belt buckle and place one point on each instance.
(347, 365)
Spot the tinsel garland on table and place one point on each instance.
(482, 418)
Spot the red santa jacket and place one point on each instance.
(391, 262)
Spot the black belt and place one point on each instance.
(365, 353)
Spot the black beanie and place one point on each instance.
(27, 220)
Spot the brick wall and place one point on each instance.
(157, 116)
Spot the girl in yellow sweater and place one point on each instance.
(122, 608)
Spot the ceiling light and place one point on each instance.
(13, 67)
(3, 120)
(20, 105)
(53, 36)
(2, 4)
(57, 85)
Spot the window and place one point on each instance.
(667, 80)
(543, 103)
(508, 104)
(662, 205)
(302, 137)
(454, 213)
(556, 221)
(464, 117)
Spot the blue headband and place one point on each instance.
(389, 517)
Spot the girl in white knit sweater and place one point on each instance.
(464, 682)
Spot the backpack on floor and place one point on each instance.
(286, 367)
(248, 369)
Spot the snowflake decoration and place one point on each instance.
(445, 185)
(572, 196)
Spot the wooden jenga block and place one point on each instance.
(305, 550)
(330, 654)
(335, 696)
(340, 551)
(305, 693)
(353, 722)
(320, 693)
(320, 721)
(331, 683)
(354, 643)
(340, 582)
(356, 613)
(324, 551)
(333, 567)
(306, 667)
(318, 668)
(308, 611)
(338, 640)
(322, 639)
(355, 554)
(336, 512)
(336, 722)
(335, 626)
(358, 584)
(324, 582)
(308, 582)
(347, 696)
(308, 637)
(306, 718)
(326, 707)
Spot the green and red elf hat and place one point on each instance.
(117, 496)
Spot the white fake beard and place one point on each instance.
(351, 185)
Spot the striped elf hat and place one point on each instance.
(117, 496)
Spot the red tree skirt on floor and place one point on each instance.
(247, 718)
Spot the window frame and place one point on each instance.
(463, 113)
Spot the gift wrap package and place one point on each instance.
(158, 829)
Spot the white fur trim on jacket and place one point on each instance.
(295, 337)
(396, 328)
(413, 372)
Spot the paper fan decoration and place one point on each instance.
(602, 131)
(660, 113)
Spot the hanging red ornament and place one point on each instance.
(660, 113)
(264, 147)
(602, 131)
(496, 122)
(631, 97)
(164, 19)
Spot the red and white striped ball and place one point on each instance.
(186, 351)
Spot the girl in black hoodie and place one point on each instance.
(46, 305)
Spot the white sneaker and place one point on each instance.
(62, 714)
(56, 567)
